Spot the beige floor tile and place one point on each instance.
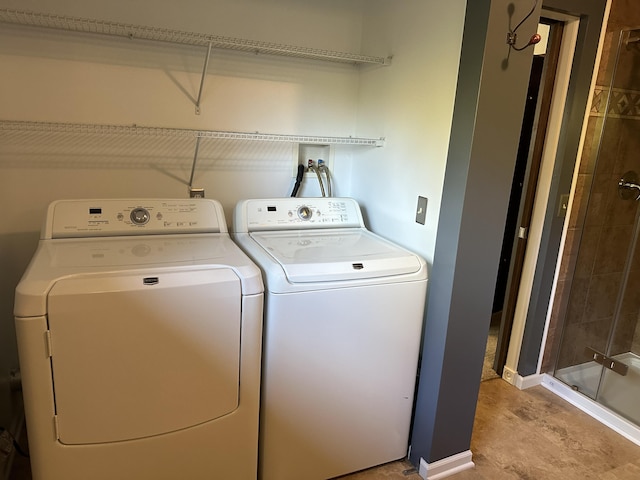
(629, 471)
(521, 435)
(400, 470)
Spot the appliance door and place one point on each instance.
(339, 371)
(136, 355)
(335, 255)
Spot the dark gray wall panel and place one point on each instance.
(490, 100)
(486, 127)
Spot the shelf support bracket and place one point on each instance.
(204, 73)
(197, 192)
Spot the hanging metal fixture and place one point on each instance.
(512, 35)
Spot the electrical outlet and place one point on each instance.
(421, 210)
(196, 192)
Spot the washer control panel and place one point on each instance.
(297, 213)
(116, 217)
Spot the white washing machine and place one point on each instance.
(139, 328)
(343, 319)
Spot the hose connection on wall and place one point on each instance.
(323, 169)
(322, 173)
(312, 168)
(299, 177)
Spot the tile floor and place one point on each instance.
(520, 435)
(534, 435)
(490, 351)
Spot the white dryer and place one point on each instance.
(343, 319)
(139, 329)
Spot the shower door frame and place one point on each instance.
(607, 358)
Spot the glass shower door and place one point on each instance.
(620, 385)
(601, 338)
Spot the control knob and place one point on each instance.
(139, 216)
(304, 213)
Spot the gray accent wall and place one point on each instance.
(485, 131)
(490, 99)
(484, 139)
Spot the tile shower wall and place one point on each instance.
(600, 223)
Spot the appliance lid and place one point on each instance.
(67, 257)
(335, 255)
(133, 251)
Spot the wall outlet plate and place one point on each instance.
(196, 192)
(421, 210)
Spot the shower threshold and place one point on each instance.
(577, 384)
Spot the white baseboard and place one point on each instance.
(519, 381)
(446, 467)
(529, 381)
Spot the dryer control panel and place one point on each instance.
(297, 214)
(118, 217)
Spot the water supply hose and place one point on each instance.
(299, 178)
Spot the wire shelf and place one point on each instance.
(85, 25)
(84, 128)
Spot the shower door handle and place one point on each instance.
(627, 184)
(607, 362)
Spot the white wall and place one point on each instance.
(51, 76)
(411, 104)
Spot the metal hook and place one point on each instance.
(512, 36)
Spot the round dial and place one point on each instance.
(139, 216)
(304, 213)
(141, 250)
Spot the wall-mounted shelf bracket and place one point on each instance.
(204, 74)
(193, 165)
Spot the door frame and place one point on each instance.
(527, 173)
(542, 197)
